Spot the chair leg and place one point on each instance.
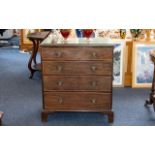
(1, 115)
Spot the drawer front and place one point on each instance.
(77, 53)
(77, 68)
(77, 101)
(77, 83)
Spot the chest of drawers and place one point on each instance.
(77, 78)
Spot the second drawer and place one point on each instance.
(77, 68)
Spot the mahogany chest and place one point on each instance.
(77, 77)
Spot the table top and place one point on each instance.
(38, 35)
(53, 40)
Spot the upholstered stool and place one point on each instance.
(1, 115)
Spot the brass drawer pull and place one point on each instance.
(94, 83)
(59, 68)
(58, 54)
(93, 68)
(60, 83)
(93, 100)
(60, 100)
(94, 55)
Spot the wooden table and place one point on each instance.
(151, 99)
(36, 39)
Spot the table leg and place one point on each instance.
(110, 115)
(1, 115)
(36, 51)
(151, 99)
(31, 59)
(44, 116)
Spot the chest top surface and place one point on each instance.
(54, 41)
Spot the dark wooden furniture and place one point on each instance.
(36, 38)
(25, 44)
(151, 99)
(1, 115)
(76, 77)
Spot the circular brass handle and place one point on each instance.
(94, 54)
(94, 83)
(60, 83)
(58, 54)
(59, 68)
(60, 100)
(93, 68)
(93, 100)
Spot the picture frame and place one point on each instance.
(118, 62)
(142, 66)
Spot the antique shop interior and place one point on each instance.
(77, 77)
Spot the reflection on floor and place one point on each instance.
(21, 99)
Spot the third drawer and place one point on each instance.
(77, 83)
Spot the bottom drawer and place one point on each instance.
(77, 101)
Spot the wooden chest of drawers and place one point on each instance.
(77, 77)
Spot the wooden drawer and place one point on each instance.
(77, 101)
(77, 68)
(77, 83)
(77, 53)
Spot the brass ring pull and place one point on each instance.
(58, 54)
(94, 83)
(94, 54)
(60, 83)
(60, 100)
(93, 100)
(59, 68)
(93, 68)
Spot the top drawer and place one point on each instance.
(77, 53)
